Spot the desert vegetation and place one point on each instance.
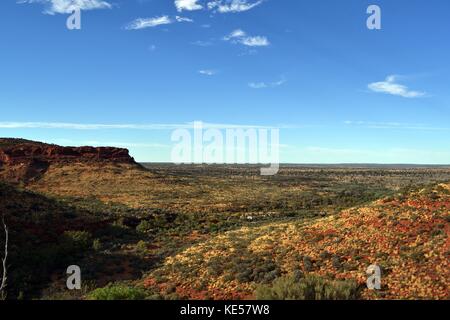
(159, 231)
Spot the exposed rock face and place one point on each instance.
(22, 153)
(25, 160)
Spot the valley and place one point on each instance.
(163, 231)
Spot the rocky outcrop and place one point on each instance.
(26, 152)
(25, 160)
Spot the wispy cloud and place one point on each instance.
(236, 34)
(208, 72)
(67, 6)
(121, 144)
(395, 125)
(232, 6)
(129, 126)
(188, 5)
(99, 143)
(392, 87)
(221, 6)
(240, 36)
(142, 23)
(257, 41)
(183, 19)
(202, 43)
(263, 85)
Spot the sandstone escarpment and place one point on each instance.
(24, 160)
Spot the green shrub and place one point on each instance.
(97, 245)
(77, 239)
(308, 288)
(117, 292)
(144, 226)
(142, 247)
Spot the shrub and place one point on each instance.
(308, 264)
(141, 247)
(144, 226)
(308, 288)
(254, 269)
(336, 262)
(117, 292)
(97, 245)
(77, 239)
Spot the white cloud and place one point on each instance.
(142, 23)
(121, 144)
(257, 85)
(263, 85)
(67, 6)
(97, 143)
(395, 125)
(208, 72)
(221, 6)
(183, 19)
(232, 6)
(202, 43)
(390, 86)
(240, 36)
(126, 126)
(255, 41)
(238, 33)
(188, 5)
(279, 82)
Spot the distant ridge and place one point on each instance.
(314, 165)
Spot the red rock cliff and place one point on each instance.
(24, 160)
(21, 153)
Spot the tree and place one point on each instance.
(4, 260)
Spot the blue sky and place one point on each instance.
(137, 69)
